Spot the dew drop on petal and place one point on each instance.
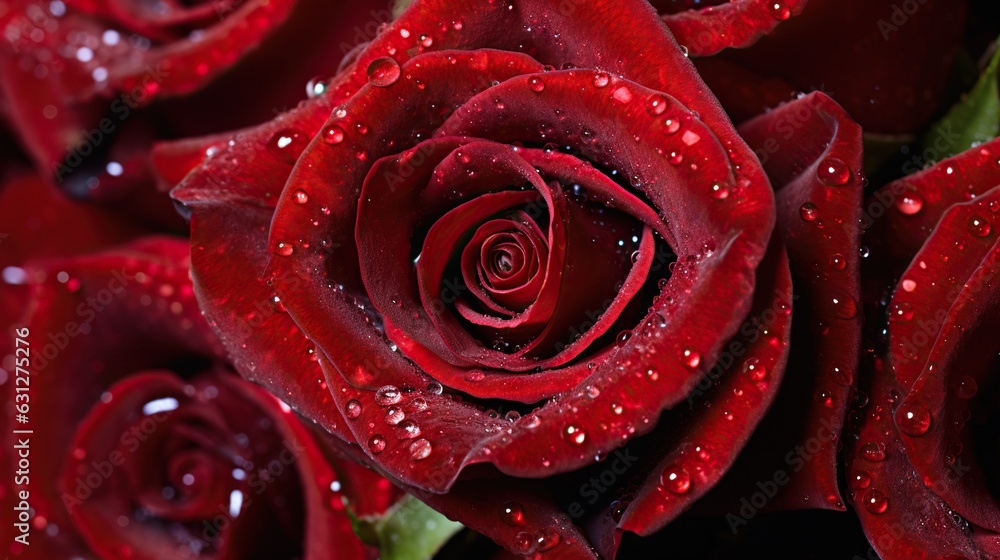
(808, 212)
(574, 434)
(842, 305)
(383, 72)
(779, 10)
(657, 105)
(284, 249)
(300, 196)
(690, 357)
(333, 134)
(394, 415)
(601, 79)
(967, 387)
(910, 203)
(753, 368)
(388, 395)
(913, 420)
(420, 449)
(408, 429)
(676, 479)
(876, 502)
(838, 261)
(980, 226)
(872, 451)
(536, 85)
(860, 480)
(833, 172)
(512, 514)
(376, 444)
(353, 408)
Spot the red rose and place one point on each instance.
(922, 468)
(887, 62)
(87, 87)
(508, 237)
(143, 443)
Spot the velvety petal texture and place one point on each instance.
(924, 460)
(480, 258)
(153, 447)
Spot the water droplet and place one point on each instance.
(408, 429)
(388, 395)
(420, 449)
(376, 444)
(909, 203)
(980, 226)
(808, 212)
(876, 502)
(779, 11)
(315, 87)
(394, 415)
(913, 420)
(908, 285)
(333, 134)
(657, 105)
(300, 196)
(967, 387)
(901, 311)
(284, 249)
(353, 408)
(690, 357)
(512, 514)
(536, 85)
(872, 451)
(838, 261)
(860, 480)
(622, 338)
(523, 543)
(574, 434)
(617, 409)
(676, 479)
(547, 539)
(719, 191)
(287, 145)
(435, 388)
(755, 369)
(592, 392)
(383, 72)
(842, 305)
(833, 172)
(601, 80)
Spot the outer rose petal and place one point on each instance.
(942, 335)
(903, 213)
(155, 334)
(915, 523)
(816, 171)
(726, 408)
(152, 321)
(736, 24)
(890, 78)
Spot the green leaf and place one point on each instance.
(409, 530)
(975, 119)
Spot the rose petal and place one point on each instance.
(817, 175)
(737, 24)
(939, 313)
